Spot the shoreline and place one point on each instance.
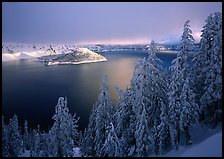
(75, 63)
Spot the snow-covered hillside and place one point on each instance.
(211, 147)
(206, 143)
(79, 56)
(12, 52)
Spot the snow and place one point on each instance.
(11, 52)
(23, 55)
(15, 51)
(25, 154)
(211, 147)
(75, 63)
(206, 143)
(76, 152)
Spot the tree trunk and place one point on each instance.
(187, 135)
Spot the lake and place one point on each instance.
(31, 90)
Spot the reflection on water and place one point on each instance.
(120, 75)
(31, 89)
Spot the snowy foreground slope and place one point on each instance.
(206, 143)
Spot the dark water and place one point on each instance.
(31, 89)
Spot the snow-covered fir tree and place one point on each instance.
(26, 136)
(104, 112)
(37, 143)
(62, 131)
(143, 144)
(179, 73)
(148, 90)
(5, 139)
(163, 130)
(157, 87)
(139, 107)
(15, 139)
(201, 60)
(33, 133)
(88, 144)
(189, 111)
(125, 121)
(112, 145)
(211, 99)
(44, 142)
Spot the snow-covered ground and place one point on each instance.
(74, 63)
(211, 147)
(12, 52)
(76, 153)
(206, 143)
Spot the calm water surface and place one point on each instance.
(31, 89)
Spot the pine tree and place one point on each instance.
(163, 130)
(201, 60)
(125, 121)
(143, 125)
(15, 142)
(88, 143)
(178, 76)
(26, 135)
(62, 130)
(37, 143)
(211, 98)
(104, 112)
(44, 142)
(189, 112)
(148, 90)
(143, 142)
(112, 145)
(5, 139)
(157, 87)
(33, 133)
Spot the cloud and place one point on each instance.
(101, 22)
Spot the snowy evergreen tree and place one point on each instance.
(211, 107)
(88, 143)
(5, 139)
(125, 121)
(62, 131)
(79, 138)
(157, 93)
(112, 145)
(148, 92)
(163, 130)
(44, 142)
(189, 112)
(143, 142)
(104, 112)
(142, 130)
(37, 143)
(26, 136)
(33, 133)
(15, 141)
(201, 60)
(178, 76)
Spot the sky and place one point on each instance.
(102, 22)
